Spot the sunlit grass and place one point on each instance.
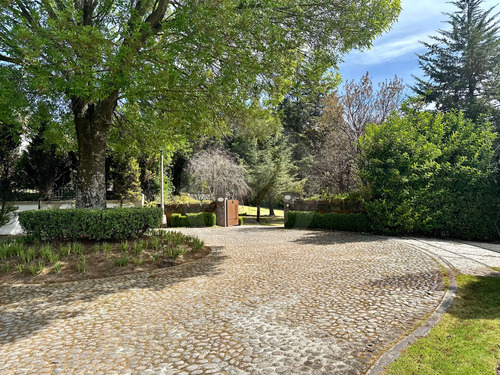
(465, 341)
(250, 210)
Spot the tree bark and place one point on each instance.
(271, 208)
(92, 124)
(258, 212)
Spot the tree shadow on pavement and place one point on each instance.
(26, 309)
(323, 237)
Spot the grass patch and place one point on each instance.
(57, 267)
(250, 210)
(465, 341)
(122, 261)
(250, 216)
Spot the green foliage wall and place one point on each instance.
(431, 174)
(110, 224)
(332, 221)
(202, 219)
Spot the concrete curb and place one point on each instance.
(392, 354)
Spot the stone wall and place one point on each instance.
(292, 202)
(325, 206)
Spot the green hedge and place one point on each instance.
(432, 174)
(109, 224)
(332, 221)
(202, 219)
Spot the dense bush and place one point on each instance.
(178, 220)
(110, 224)
(333, 221)
(202, 219)
(240, 220)
(431, 174)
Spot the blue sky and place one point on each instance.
(395, 52)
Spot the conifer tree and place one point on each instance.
(461, 61)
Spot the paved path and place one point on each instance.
(266, 301)
(470, 258)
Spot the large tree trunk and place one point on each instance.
(92, 123)
(258, 212)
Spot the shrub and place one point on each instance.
(11, 248)
(122, 261)
(197, 244)
(431, 174)
(173, 252)
(57, 267)
(110, 224)
(332, 221)
(177, 220)
(81, 264)
(202, 219)
(240, 220)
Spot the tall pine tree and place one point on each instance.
(461, 62)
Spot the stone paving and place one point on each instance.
(265, 301)
(469, 258)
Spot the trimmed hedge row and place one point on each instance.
(202, 219)
(109, 224)
(332, 221)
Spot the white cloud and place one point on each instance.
(395, 51)
(418, 20)
(389, 51)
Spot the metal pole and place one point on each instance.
(164, 218)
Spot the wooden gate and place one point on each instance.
(232, 212)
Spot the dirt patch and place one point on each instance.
(113, 260)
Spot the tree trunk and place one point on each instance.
(271, 208)
(91, 180)
(92, 123)
(258, 212)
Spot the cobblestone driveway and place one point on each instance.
(266, 301)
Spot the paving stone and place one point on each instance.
(265, 301)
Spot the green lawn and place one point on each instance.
(249, 215)
(465, 341)
(250, 210)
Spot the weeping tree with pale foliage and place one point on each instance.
(216, 172)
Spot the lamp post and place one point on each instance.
(163, 218)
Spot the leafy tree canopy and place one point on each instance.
(176, 56)
(172, 67)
